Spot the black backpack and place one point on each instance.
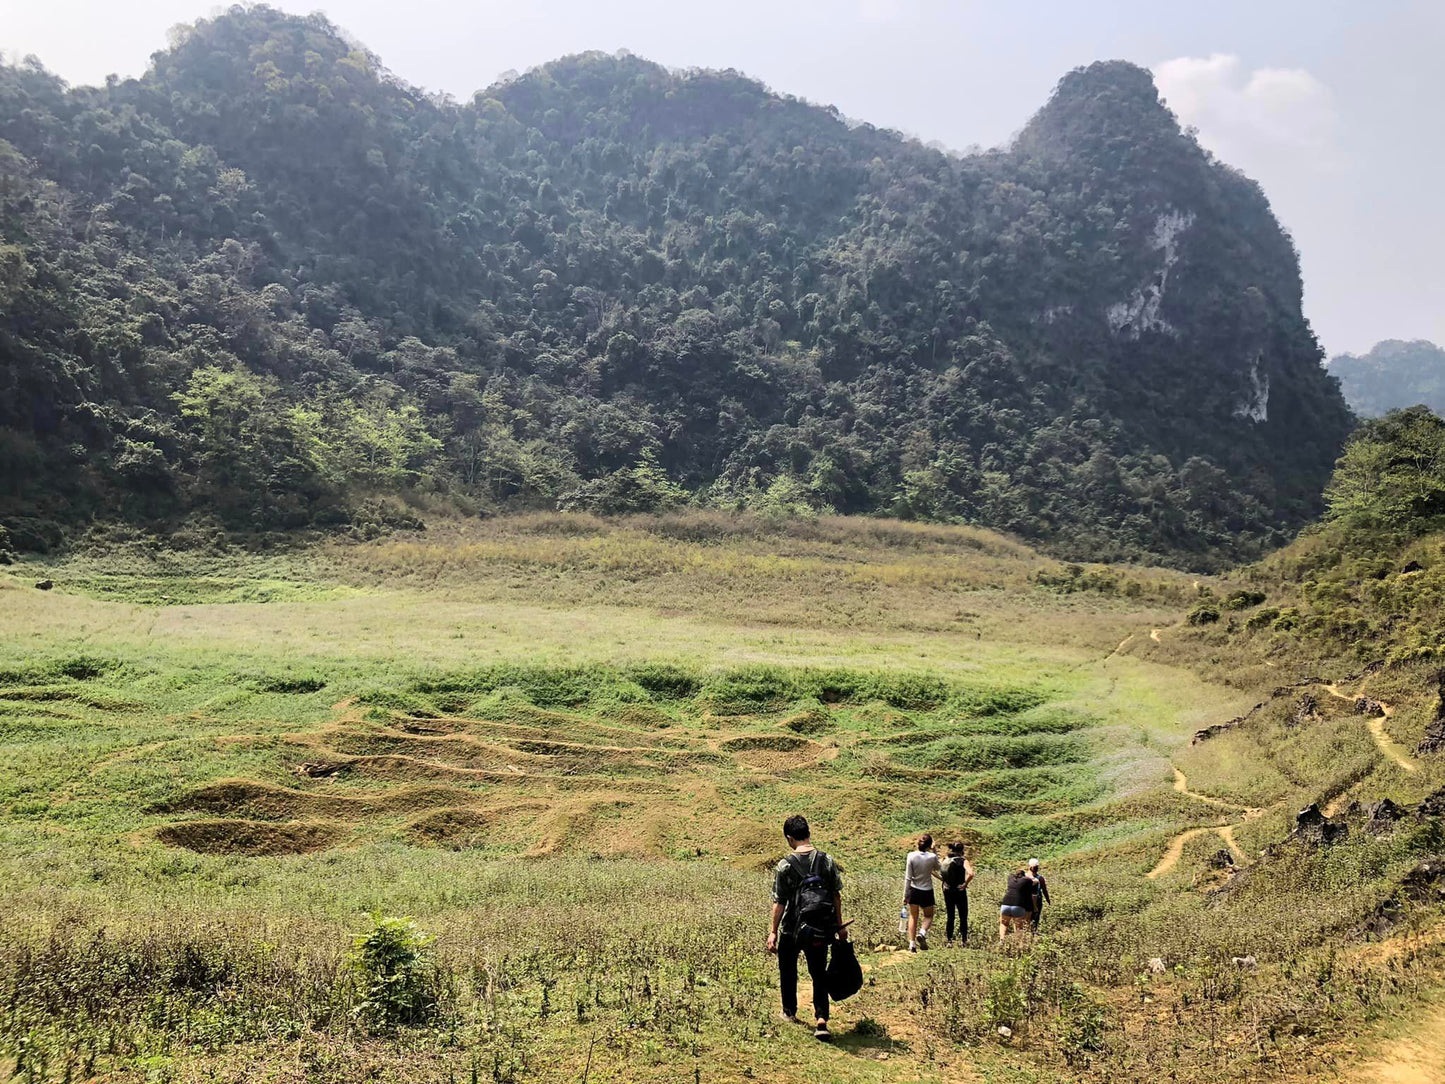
(814, 914)
(954, 873)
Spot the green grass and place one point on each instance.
(565, 747)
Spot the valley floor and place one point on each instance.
(564, 747)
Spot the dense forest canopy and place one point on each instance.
(1392, 374)
(267, 282)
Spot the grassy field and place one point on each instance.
(564, 747)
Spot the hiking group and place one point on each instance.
(807, 914)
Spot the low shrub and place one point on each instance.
(401, 986)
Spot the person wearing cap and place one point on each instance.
(956, 871)
(1041, 893)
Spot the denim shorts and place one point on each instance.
(1008, 910)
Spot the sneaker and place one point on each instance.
(789, 1017)
(923, 941)
(821, 1032)
(913, 946)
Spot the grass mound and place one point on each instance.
(250, 838)
(454, 828)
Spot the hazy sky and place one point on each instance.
(1334, 106)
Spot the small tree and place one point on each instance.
(401, 981)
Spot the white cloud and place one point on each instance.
(1248, 117)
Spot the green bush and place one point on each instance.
(401, 986)
(1204, 614)
(1243, 600)
(1262, 620)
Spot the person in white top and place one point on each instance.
(921, 867)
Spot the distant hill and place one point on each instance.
(1393, 374)
(267, 283)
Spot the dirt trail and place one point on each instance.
(1122, 645)
(1175, 850)
(1376, 726)
(1417, 1059)
(1181, 784)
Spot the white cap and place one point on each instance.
(1033, 863)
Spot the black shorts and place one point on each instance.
(919, 897)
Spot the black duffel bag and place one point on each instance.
(845, 975)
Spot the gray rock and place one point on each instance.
(1433, 805)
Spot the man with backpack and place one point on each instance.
(807, 916)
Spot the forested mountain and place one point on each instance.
(1392, 375)
(267, 281)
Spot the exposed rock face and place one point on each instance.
(1255, 407)
(1140, 313)
(1423, 885)
(1382, 816)
(1306, 710)
(1426, 882)
(1219, 728)
(1434, 739)
(1371, 708)
(1315, 829)
(1432, 806)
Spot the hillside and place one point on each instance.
(1393, 374)
(267, 283)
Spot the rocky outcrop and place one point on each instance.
(1219, 728)
(1222, 859)
(1381, 817)
(1434, 738)
(1306, 710)
(1315, 829)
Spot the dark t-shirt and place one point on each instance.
(1041, 893)
(791, 871)
(1020, 892)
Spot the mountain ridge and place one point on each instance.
(1392, 374)
(617, 287)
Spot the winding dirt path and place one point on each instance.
(1181, 784)
(1376, 725)
(1175, 850)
